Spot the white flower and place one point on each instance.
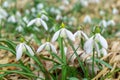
(58, 17)
(44, 17)
(55, 11)
(19, 29)
(84, 3)
(3, 13)
(111, 23)
(72, 20)
(47, 46)
(33, 10)
(12, 19)
(94, 42)
(102, 12)
(21, 48)
(103, 23)
(64, 33)
(66, 2)
(103, 51)
(115, 11)
(101, 40)
(25, 19)
(87, 19)
(80, 34)
(27, 11)
(6, 4)
(18, 14)
(88, 46)
(65, 50)
(38, 22)
(40, 6)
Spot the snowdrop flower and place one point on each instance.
(36, 29)
(94, 42)
(18, 14)
(84, 3)
(3, 13)
(59, 17)
(38, 22)
(72, 20)
(103, 23)
(33, 10)
(103, 51)
(80, 34)
(6, 4)
(19, 29)
(65, 50)
(21, 48)
(40, 6)
(47, 46)
(25, 19)
(87, 19)
(12, 19)
(115, 11)
(102, 12)
(27, 11)
(64, 33)
(111, 23)
(55, 11)
(44, 17)
(66, 2)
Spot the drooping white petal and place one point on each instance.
(19, 51)
(65, 50)
(70, 35)
(31, 22)
(47, 46)
(38, 22)
(76, 34)
(115, 11)
(87, 19)
(103, 42)
(85, 36)
(44, 17)
(97, 48)
(53, 48)
(55, 36)
(111, 23)
(41, 48)
(17, 47)
(44, 24)
(63, 33)
(103, 51)
(12, 19)
(3, 12)
(103, 23)
(88, 46)
(29, 49)
(80, 34)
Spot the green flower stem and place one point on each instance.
(93, 60)
(64, 69)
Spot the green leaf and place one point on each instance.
(103, 62)
(16, 65)
(7, 48)
(20, 72)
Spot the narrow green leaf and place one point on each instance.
(103, 62)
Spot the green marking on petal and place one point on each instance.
(62, 25)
